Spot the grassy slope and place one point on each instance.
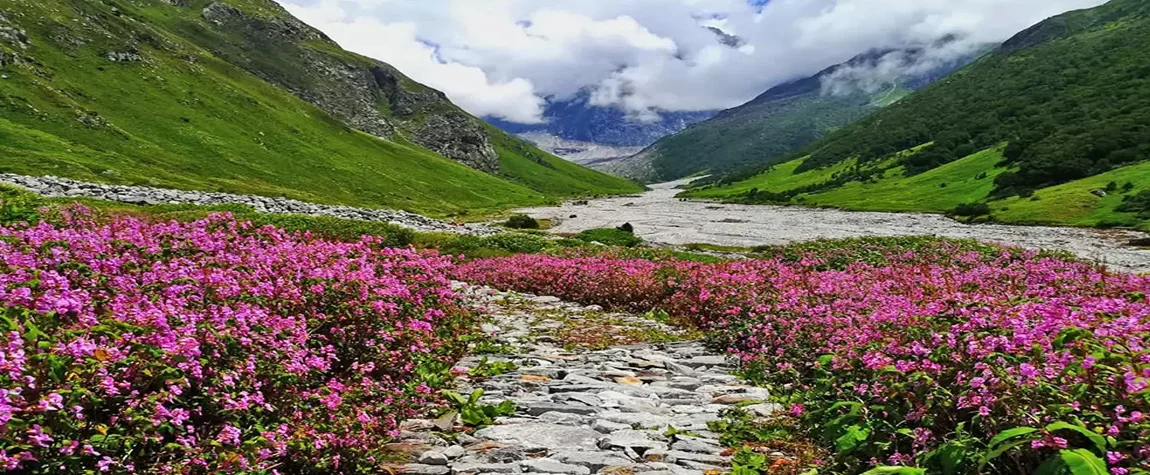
(1073, 203)
(203, 124)
(525, 164)
(779, 178)
(922, 192)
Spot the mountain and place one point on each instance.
(242, 97)
(576, 125)
(790, 115)
(1052, 127)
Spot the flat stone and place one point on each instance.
(543, 407)
(550, 436)
(563, 418)
(765, 409)
(709, 360)
(630, 381)
(711, 459)
(697, 446)
(420, 469)
(594, 461)
(553, 466)
(608, 427)
(638, 440)
(477, 468)
(734, 399)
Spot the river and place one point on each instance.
(661, 218)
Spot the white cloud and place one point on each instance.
(502, 57)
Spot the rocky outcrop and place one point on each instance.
(54, 187)
(363, 93)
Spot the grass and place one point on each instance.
(938, 190)
(941, 189)
(206, 124)
(779, 178)
(1073, 203)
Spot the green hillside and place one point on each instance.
(781, 120)
(177, 94)
(1069, 98)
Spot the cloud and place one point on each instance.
(504, 57)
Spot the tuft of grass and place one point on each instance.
(610, 237)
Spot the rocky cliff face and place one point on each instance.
(365, 94)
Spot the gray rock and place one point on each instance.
(420, 469)
(608, 427)
(594, 461)
(550, 436)
(433, 457)
(709, 360)
(454, 452)
(477, 468)
(543, 407)
(638, 440)
(553, 466)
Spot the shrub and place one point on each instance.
(212, 346)
(970, 210)
(610, 237)
(1137, 203)
(522, 221)
(18, 206)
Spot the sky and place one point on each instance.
(505, 58)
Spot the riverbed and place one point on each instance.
(661, 218)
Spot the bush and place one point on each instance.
(970, 210)
(610, 237)
(1138, 203)
(522, 221)
(18, 206)
(213, 346)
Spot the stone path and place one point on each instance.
(638, 408)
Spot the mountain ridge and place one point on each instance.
(240, 96)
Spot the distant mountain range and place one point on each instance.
(576, 129)
(793, 114)
(1053, 127)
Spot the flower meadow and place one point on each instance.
(939, 359)
(212, 346)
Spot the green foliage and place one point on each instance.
(487, 369)
(610, 237)
(474, 247)
(1139, 203)
(18, 206)
(476, 414)
(970, 210)
(522, 221)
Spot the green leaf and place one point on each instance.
(740, 470)
(1083, 462)
(895, 470)
(952, 457)
(1098, 440)
(1052, 466)
(852, 438)
(1010, 434)
(475, 396)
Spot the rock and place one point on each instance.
(594, 461)
(561, 418)
(454, 452)
(696, 445)
(630, 381)
(765, 409)
(544, 407)
(638, 440)
(711, 360)
(710, 459)
(420, 469)
(553, 466)
(434, 457)
(550, 436)
(608, 427)
(478, 468)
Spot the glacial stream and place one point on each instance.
(661, 218)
